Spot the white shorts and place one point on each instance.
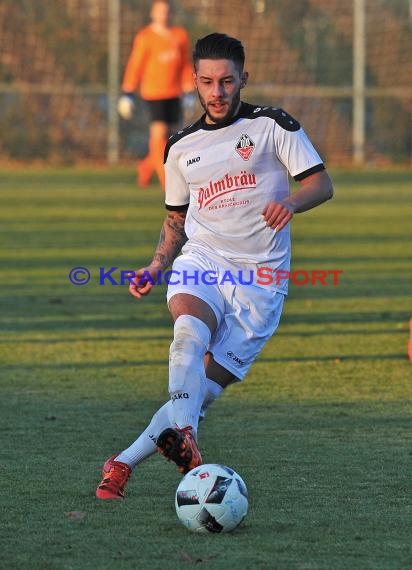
(247, 315)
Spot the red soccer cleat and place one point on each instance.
(108, 464)
(180, 446)
(115, 477)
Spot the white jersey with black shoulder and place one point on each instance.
(225, 174)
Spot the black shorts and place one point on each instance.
(166, 110)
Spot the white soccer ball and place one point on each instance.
(211, 498)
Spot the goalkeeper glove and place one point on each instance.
(126, 106)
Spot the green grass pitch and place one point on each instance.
(320, 430)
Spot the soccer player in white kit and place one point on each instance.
(228, 211)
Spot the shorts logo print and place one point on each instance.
(233, 356)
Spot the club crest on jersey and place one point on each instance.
(245, 146)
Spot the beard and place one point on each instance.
(231, 109)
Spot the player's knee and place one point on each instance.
(190, 333)
(190, 342)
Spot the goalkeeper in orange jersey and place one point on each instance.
(159, 66)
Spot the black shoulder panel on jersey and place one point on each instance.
(286, 121)
(282, 118)
(179, 135)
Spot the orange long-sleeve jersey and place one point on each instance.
(159, 65)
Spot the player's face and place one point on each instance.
(218, 83)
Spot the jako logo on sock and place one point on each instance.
(180, 396)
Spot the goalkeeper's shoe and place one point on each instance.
(115, 477)
(180, 446)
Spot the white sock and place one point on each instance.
(187, 378)
(145, 444)
(213, 391)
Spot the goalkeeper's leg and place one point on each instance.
(153, 162)
(158, 135)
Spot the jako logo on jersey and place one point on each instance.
(192, 160)
(243, 181)
(245, 146)
(233, 356)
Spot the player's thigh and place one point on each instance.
(188, 304)
(158, 130)
(188, 291)
(217, 372)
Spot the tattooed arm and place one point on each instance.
(172, 238)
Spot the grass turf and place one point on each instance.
(320, 429)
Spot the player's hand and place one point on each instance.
(277, 215)
(125, 107)
(142, 282)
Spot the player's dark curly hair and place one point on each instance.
(219, 46)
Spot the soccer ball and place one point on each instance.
(211, 498)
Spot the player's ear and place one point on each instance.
(243, 79)
(194, 75)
